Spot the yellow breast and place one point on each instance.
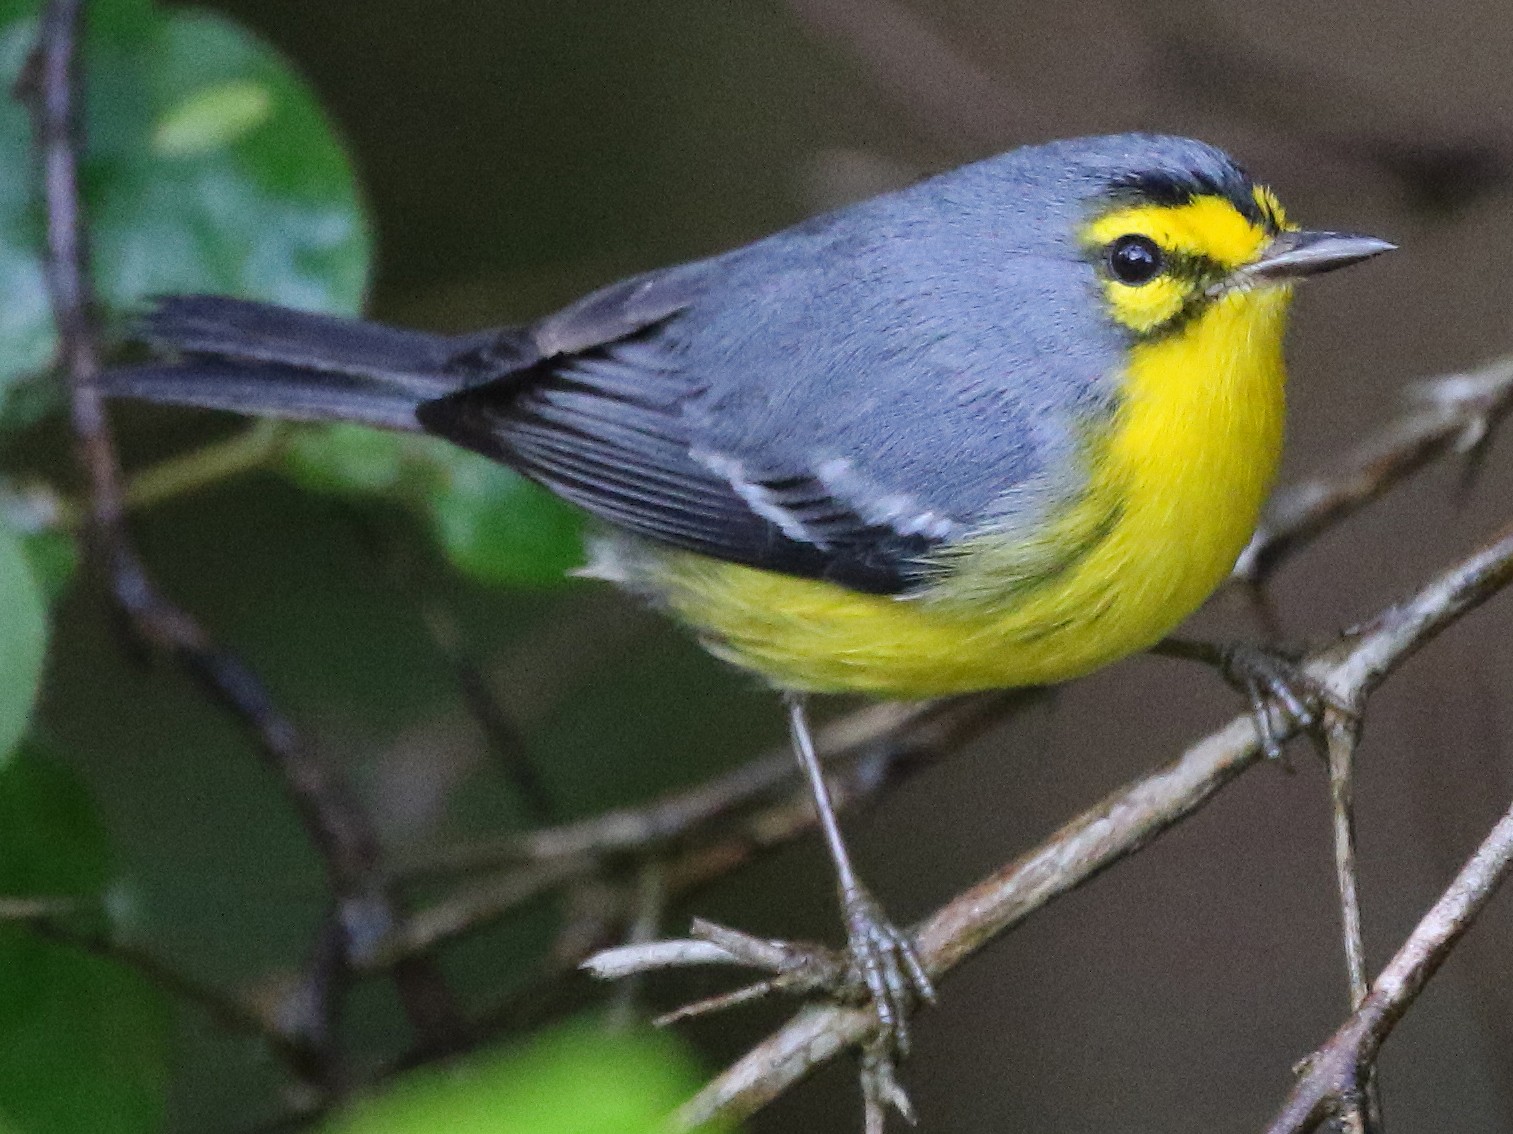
(1176, 488)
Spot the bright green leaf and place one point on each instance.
(83, 1042)
(23, 639)
(209, 167)
(578, 1079)
(501, 529)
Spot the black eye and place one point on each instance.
(1134, 259)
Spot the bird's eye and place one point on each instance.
(1134, 259)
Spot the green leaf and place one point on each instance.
(23, 639)
(578, 1079)
(212, 118)
(209, 166)
(501, 529)
(54, 559)
(491, 523)
(349, 459)
(83, 1041)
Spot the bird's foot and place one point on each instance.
(878, 967)
(1274, 683)
(1271, 678)
(883, 968)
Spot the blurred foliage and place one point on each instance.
(209, 166)
(53, 557)
(490, 522)
(23, 634)
(620, 1082)
(83, 1042)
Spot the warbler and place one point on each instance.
(997, 429)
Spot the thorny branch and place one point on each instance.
(50, 86)
(1129, 819)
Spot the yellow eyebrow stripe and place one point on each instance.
(1209, 227)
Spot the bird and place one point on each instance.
(996, 429)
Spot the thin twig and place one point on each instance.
(472, 908)
(50, 86)
(1127, 821)
(1362, 1115)
(234, 1013)
(1457, 414)
(1334, 1072)
(685, 812)
(251, 448)
(650, 906)
(869, 760)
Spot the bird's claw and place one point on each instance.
(1270, 679)
(884, 968)
(879, 967)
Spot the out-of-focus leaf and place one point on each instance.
(500, 528)
(26, 335)
(83, 1042)
(348, 459)
(54, 560)
(23, 640)
(578, 1079)
(491, 523)
(213, 118)
(208, 167)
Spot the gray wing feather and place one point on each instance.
(837, 401)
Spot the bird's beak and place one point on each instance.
(1296, 255)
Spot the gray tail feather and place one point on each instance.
(257, 358)
(265, 390)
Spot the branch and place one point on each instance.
(1361, 1115)
(49, 85)
(704, 832)
(1457, 415)
(1123, 823)
(684, 813)
(1332, 1076)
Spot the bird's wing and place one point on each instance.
(781, 408)
(607, 430)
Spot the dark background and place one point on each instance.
(518, 154)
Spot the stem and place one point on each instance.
(251, 449)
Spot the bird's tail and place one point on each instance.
(260, 359)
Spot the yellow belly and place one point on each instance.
(1181, 476)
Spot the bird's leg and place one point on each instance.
(882, 957)
(878, 966)
(1267, 677)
